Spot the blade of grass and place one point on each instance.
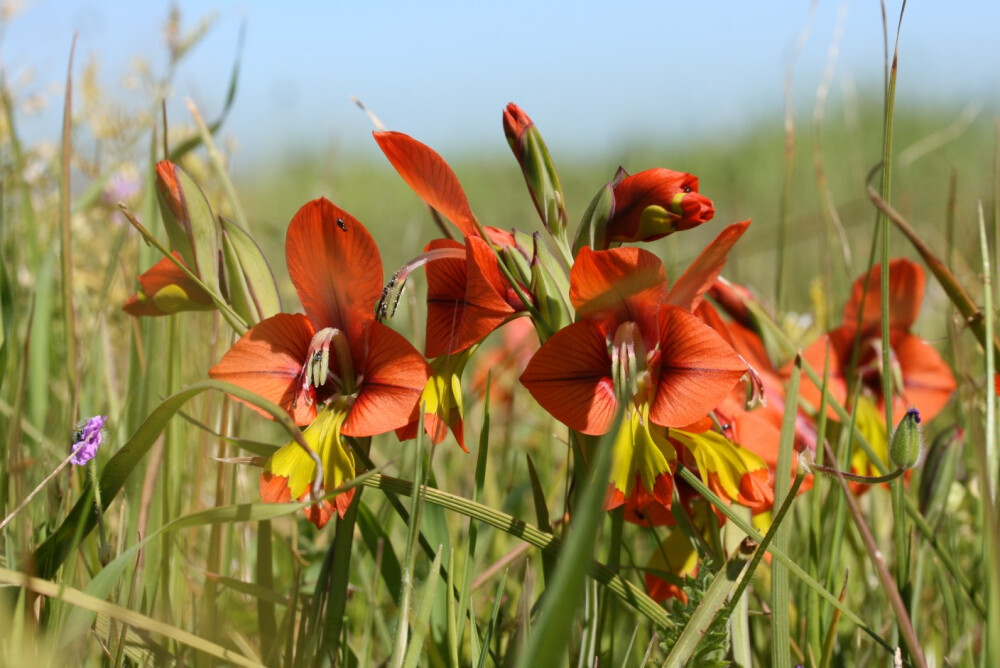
(477, 497)
(423, 618)
(942, 552)
(66, 245)
(50, 554)
(780, 596)
(551, 634)
(77, 598)
(410, 555)
(991, 460)
(692, 479)
(492, 623)
(193, 142)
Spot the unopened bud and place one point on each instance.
(189, 221)
(593, 230)
(536, 164)
(904, 450)
(104, 554)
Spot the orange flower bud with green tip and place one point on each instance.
(654, 203)
(165, 289)
(536, 164)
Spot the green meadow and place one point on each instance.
(507, 556)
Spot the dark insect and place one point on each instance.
(341, 224)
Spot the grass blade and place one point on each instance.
(550, 633)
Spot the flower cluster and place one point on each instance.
(677, 371)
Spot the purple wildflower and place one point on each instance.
(86, 439)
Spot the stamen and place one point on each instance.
(393, 290)
(628, 364)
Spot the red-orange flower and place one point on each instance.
(654, 203)
(467, 295)
(630, 346)
(335, 366)
(921, 379)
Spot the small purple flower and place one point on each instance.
(86, 439)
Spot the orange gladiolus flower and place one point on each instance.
(467, 296)
(921, 379)
(629, 345)
(335, 367)
(654, 203)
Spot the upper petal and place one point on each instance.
(430, 177)
(335, 266)
(697, 369)
(618, 285)
(700, 274)
(570, 376)
(268, 360)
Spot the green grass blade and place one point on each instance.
(477, 497)
(492, 623)
(50, 554)
(551, 630)
(780, 595)
(423, 617)
(77, 598)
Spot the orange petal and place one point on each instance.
(927, 380)
(165, 289)
(465, 300)
(697, 369)
(906, 293)
(274, 489)
(268, 359)
(570, 377)
(701, 274)
(394, 377)
(429, 176)
(618, 285)
(335, 267)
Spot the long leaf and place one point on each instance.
(51, 554)
(551, 631)
(78, 598)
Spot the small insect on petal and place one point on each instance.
(341, 224)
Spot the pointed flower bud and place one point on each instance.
(593, 229)
(250, 283)
(654, 203)
(536, 164)
(904, 450)
(190, 223)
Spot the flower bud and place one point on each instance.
(938, 471)
(536, 164)
(593, 229)
(164, 289)
(905, 447)
(189, 221)
(549, 295)
(657, 202)
(251, 287)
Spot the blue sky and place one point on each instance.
(590, 74)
